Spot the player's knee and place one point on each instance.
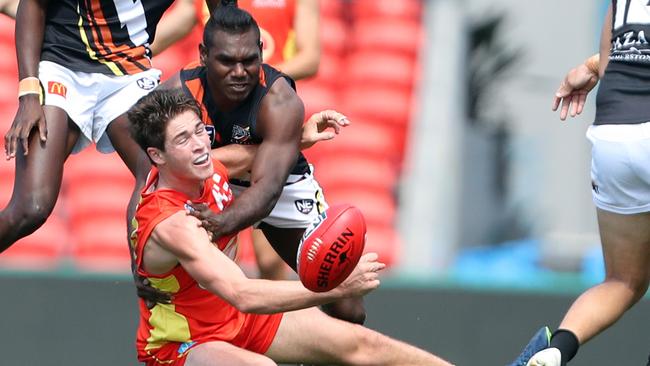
(33, 214)
(367, 347)
(636, 284)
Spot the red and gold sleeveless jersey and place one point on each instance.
(103, 36)
(275, 19)
(195, 314)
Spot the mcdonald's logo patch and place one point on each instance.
(54, 87)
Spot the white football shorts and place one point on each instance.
(620, 167)
(299, 204)
(93, 100)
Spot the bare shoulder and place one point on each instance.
(180, 234)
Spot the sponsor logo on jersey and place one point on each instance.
(594, 186)
(304, 206)
(240, 134)
(54, 87)
(146, 83)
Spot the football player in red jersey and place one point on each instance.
(237, 321)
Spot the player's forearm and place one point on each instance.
(254, 204)
(30, 27)
(267, 297)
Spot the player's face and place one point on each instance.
(187, 148)
(233, 64)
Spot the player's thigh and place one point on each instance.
(224, 354)
(626, 245)
(311, 336)
(38, 174)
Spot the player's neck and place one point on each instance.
(193, 189)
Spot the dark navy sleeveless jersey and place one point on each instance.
(624, 92)
(239, 125)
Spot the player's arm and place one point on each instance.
(306, 26)
(30, 27)
(279, 123)
(181, 235)
(9, 7)
(576, 85)
(174, 25)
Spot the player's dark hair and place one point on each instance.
(150, 115)
(230, 19)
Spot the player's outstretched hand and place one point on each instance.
(148, 293)
(573, 90)
(210, 221)
(364, 278)
(320, 125)
(29, 116)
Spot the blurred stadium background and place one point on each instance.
(476, 195)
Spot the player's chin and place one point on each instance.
(203, 172)
(238, 94)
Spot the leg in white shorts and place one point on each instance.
(620, 171)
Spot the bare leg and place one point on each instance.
(285, 242)
(626, 248)
(134, 158)
(38, 178)
(222, 353)
(313, 337)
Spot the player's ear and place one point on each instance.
(203, 54)
(155, 155)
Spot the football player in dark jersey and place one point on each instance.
(620, 174)
(248, 102)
